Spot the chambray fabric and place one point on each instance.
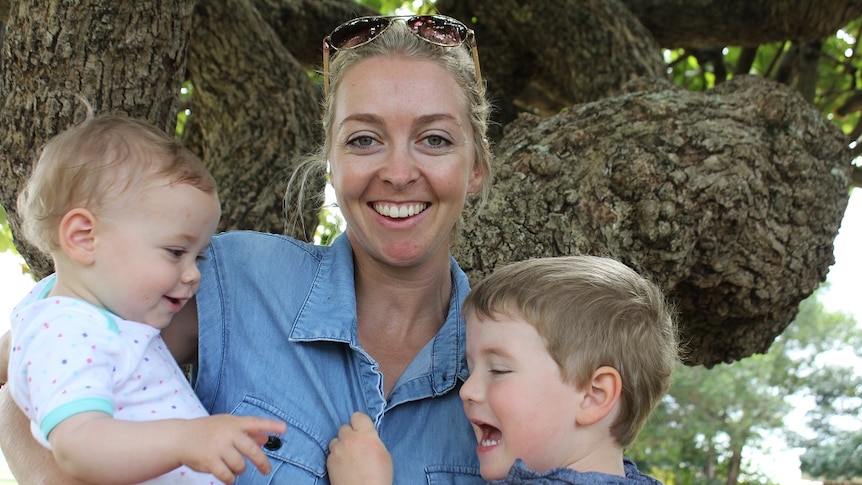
(521, 475)
(278, 339)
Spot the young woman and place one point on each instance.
(308, 335)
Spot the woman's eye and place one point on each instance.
(362, 141)
(436, 140)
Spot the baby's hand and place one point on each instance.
(218, 444)
(357, 456)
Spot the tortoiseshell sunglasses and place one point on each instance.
(436, 29)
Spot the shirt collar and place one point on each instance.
(330, 314)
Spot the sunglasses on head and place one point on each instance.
(436, 29)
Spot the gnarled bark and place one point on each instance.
(730, 200)
(124, 57)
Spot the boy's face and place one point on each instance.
(516, 399)
(146, 254)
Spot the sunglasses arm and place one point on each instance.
(475, 52)
(325, 67)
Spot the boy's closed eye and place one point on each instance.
(499, 371)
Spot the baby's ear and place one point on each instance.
(600, 396)
(77, 235)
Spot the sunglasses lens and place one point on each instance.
(438, 30)
(357, 32)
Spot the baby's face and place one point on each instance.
(516, 398)
(148, 252)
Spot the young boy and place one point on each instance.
(126, 213)
(568, 357)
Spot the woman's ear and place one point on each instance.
(476, 175)
(600, 396)
(77, 235)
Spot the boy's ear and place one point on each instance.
(600, 396)
(77, 235)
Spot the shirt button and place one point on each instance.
(273, 443)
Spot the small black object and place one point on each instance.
(273, 443)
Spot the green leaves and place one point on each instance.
(702, 429)
(5, 234)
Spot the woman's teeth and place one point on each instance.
(399, 212)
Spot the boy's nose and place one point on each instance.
(469, 391)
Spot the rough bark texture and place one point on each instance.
(548, 55)
(717, 23)
(730, 200)
(254, 109)
(125, 57)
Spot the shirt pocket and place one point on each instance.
(297, 457)
(453, 475)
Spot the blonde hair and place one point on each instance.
(398, 40)
(592, 312)
(93, 164)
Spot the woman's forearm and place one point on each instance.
(29, 461)
(5, 349)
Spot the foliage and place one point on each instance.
(5, 234)
(838, 82)
(839, 458)
(6, 241)
(390, 7)
(186, 94)
(330, 226)
(700, 431)
(834, 452)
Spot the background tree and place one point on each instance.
(711, 417)
(730, 197)
(834, 452)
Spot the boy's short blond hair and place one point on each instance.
(592, 312)
(97, 164)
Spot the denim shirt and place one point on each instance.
(520, 474)
(278, 339)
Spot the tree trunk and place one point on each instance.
(718, 23)
(124, 57)
(734, 465)
(255, 112)
(709, 466)
(730, 199)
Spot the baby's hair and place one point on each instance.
(94, 164)
(591, 312)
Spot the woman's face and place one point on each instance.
(402, 159)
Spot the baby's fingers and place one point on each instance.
(361, 422)
(260, 429)
(256, 456)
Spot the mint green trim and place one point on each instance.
(112, 318)
(70, 409)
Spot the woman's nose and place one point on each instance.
(400, 168)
